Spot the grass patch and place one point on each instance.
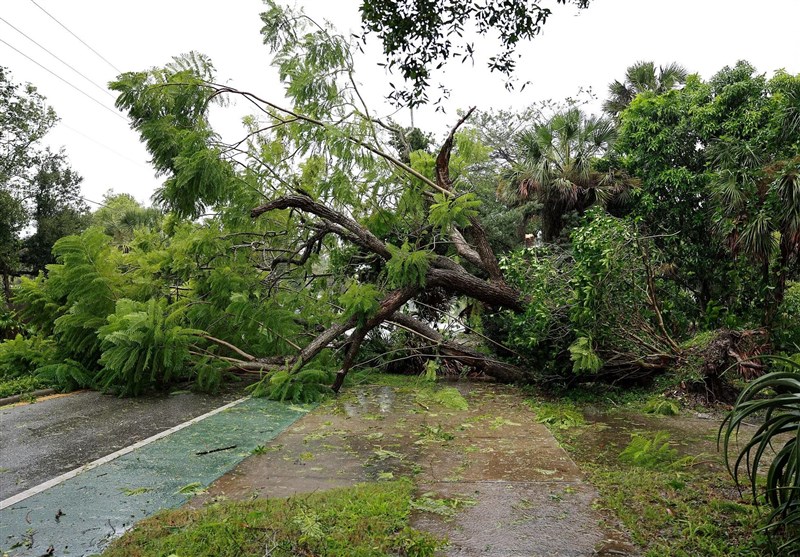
(673, 504)
(670, 513)
(368, 520)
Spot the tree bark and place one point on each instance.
(463, 354)
(389, 306)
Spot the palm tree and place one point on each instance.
(557, 168)
(758, 198)
(642, 77)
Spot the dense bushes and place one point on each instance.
(86, 329)
(593, 306)
(786, 333)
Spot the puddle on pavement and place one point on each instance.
(610, 432)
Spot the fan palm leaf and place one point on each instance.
(556, 167)
(640, 78)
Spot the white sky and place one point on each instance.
(586, 49)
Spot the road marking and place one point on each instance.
(108, 458)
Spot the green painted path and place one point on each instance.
(80, 515)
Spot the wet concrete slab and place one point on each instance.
(81, 515)
(507, 518)
(49, 437)
(524, 494)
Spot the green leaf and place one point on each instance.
(360, 300)
(447, 211)
(583, 356)
(407, 267)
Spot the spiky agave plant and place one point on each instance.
(774, 401)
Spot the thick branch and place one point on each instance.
(463, 354)
(493, 294)
(483, 248)
(443, 159)
(389, 305)
(321, 342)
(465, 250)
(364, 237)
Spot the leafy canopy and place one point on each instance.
(420, 37)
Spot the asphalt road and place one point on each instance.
(45, 439)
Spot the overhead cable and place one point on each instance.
(106, 147)
(77, 37)
(103, 89)
(51, 72)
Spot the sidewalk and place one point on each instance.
(514, 491)
(81, 514)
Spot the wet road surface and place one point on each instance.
(522, 495)
(42, 440)
(80, 515)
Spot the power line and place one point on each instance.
(103, 89)
(93, 202)
(51, 72)
(77, 37)
(106, 147)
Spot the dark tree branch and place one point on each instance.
(482, 246)
(493, 294)
(463, 354)
(389, 305)
(364, 237)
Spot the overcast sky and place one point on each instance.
(576, 50)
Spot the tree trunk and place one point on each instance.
(7, 289)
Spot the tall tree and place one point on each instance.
(643, 77)
(36, 183)
(120, 216)
(336, 227)
(557, 167)
(718, 162)
(56, 210)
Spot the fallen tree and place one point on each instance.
(355, 231)
(441, 272)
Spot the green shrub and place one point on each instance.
(649, 451)
(20, 385)
(66, 375)
(10, 325)
(786, 331)
(143, 347)
(23, 356)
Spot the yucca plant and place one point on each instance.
(773, 400)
